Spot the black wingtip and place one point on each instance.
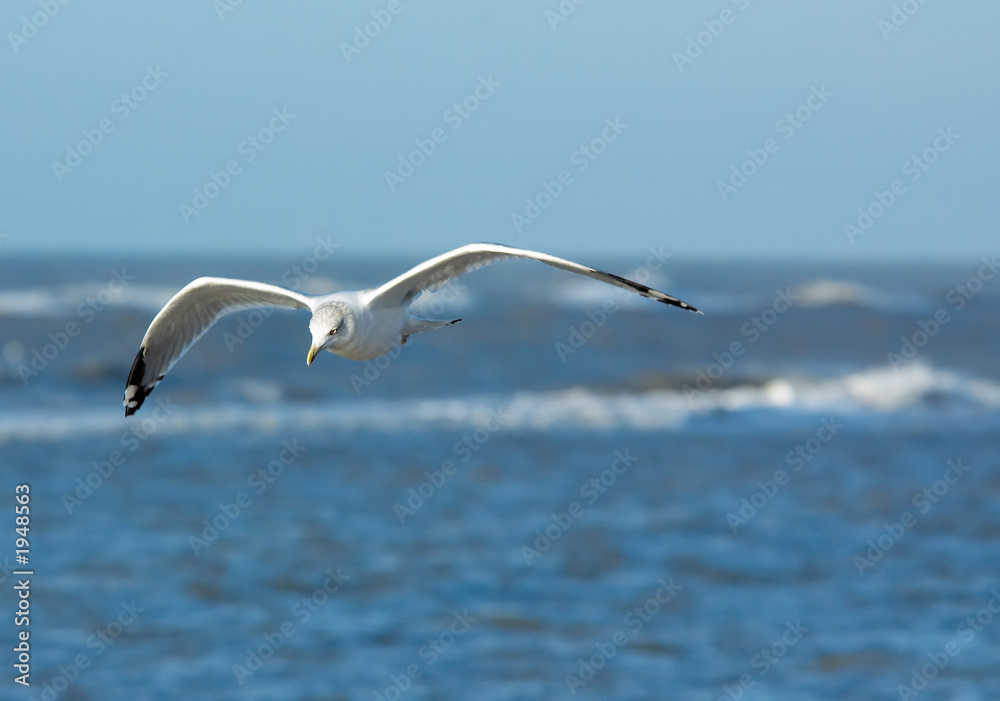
(135, 391)
(650, 293)
(678, 303)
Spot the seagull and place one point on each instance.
(358, 325)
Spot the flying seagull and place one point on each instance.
(357, 325)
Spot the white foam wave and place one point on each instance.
(915, 387)
(62, 300)
(882, 389)
(813, 294)
(825, 292)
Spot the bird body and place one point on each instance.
(359, 325)
(368, 332)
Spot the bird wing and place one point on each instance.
(186, 317)
(434, 273)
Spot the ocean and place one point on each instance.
(573, 493)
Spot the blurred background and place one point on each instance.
(574, 493)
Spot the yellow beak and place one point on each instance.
(312, 354)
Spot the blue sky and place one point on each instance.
(647, 111)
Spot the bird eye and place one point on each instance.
(332, 332)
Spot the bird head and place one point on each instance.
(330, 327)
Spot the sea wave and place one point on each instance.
(818, 293)
(826, 292)
(58, 301)
(914, 388)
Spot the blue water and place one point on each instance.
(653, 513)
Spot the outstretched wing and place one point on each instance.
(184, 320)
(434, 273)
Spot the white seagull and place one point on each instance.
(358, 325)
